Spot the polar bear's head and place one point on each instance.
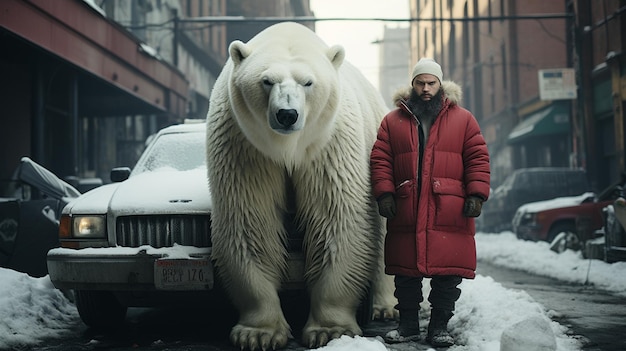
(284, 89)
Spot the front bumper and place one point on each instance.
(113, 269)
(133, 269)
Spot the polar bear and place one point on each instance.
(289, 110)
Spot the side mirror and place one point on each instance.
(120, 174)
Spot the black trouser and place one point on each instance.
(443, 292)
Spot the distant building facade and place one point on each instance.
(496, 63)
(394, 62)
(74, 86)
(496, 50)
(85, 86)
(599, 28)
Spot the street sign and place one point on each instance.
(557, 84)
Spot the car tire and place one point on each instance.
(560, 243)
(99, 309)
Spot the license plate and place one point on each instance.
(183, 274)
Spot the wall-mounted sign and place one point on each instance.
(557, 84)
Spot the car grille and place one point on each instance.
(164, 231)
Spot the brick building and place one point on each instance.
(496, 51)
(85, 83)
(496, 58)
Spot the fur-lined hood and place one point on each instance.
(451, 91)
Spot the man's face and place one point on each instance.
(426, 86)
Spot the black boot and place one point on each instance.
(438, 335)
(408, 328)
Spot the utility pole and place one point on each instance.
(175, 38)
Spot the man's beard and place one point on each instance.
(425, 110)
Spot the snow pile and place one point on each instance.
(357, 343)
(486, 309)
(32, 309)
(531, 334)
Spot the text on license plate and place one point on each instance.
(183, 274)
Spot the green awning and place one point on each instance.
(552, 120)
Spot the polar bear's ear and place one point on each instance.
(336, 54)
(238, 51)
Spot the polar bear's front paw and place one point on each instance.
(250, 338)
(320, 336)
(385, 312)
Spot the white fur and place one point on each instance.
(325, 153)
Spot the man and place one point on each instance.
(430, 175)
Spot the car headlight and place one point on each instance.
(89, 226)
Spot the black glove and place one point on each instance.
(473, 206)
(387, 206)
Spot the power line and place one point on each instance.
(320, 19)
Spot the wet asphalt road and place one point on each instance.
(597, 317)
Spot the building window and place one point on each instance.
(490, 15)
(434, 24)
(466, 51)
(452, 49)
(492, 73)
(505, 77)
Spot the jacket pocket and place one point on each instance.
(449, 196)
(405, 204)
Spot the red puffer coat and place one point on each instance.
(429, 234)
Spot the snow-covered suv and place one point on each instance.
(145, 239)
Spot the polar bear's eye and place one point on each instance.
(267, 82)
(308, 83)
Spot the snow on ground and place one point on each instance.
(33, 311)
(535, 257)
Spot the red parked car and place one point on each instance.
(545, 220)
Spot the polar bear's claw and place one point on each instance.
(253, 339)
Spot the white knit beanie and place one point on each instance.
(427, 66)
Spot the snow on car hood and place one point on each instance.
(559, 202)
(162, 191)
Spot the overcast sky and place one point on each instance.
(357, 36)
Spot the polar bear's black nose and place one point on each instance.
(287, 117)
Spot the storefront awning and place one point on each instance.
(549, 121)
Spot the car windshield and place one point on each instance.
(174, 151)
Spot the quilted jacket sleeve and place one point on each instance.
(381, 162)
(476, 161)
